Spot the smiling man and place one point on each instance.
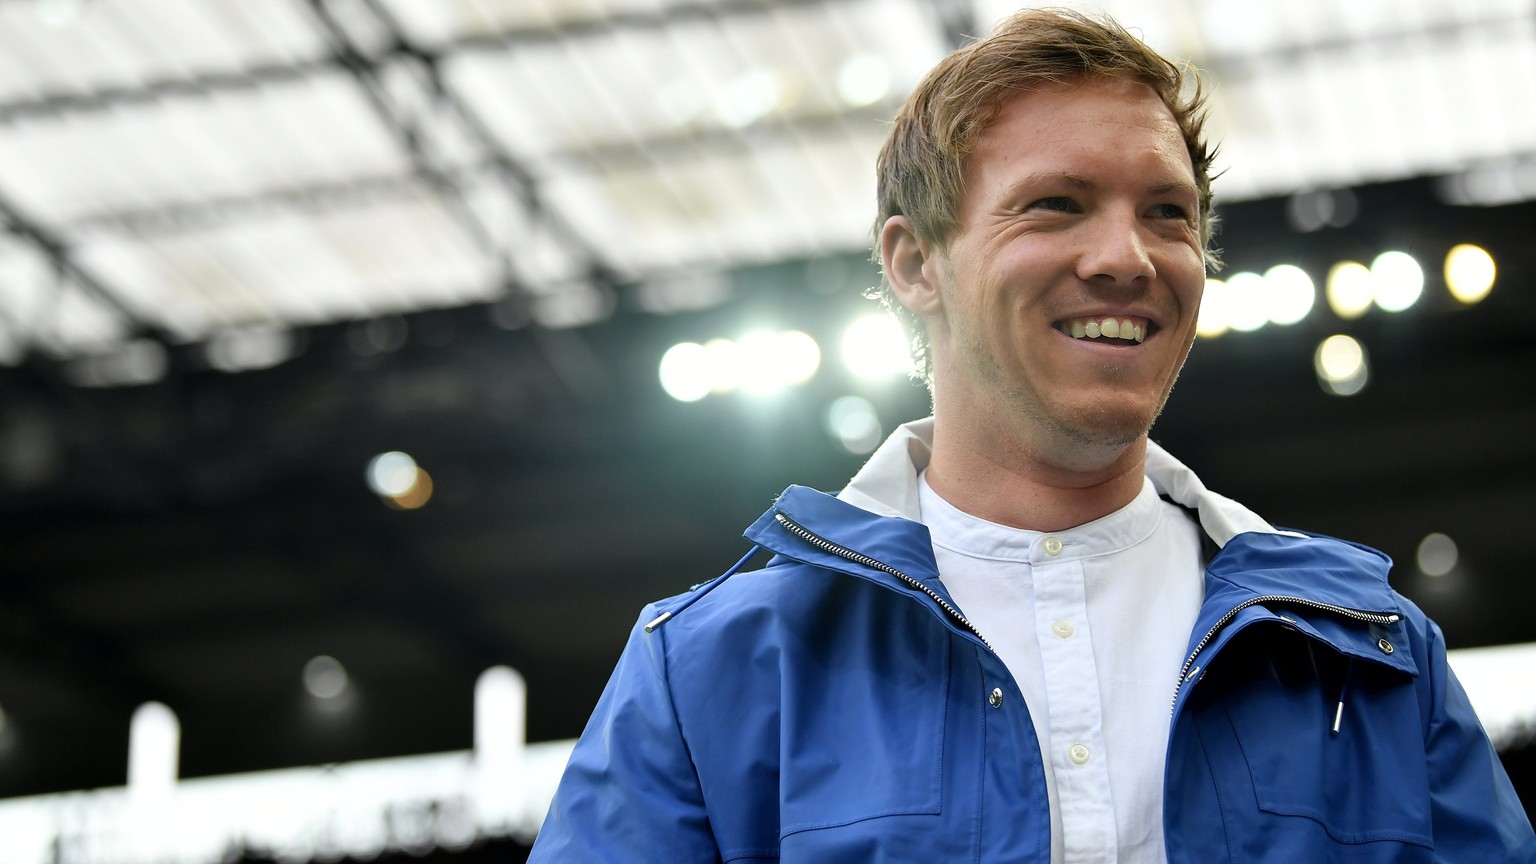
(1024, 633)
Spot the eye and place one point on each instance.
(1169, 211)
(1057, 203)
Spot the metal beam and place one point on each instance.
(148, 92)
(358, 192)
(632, 20)
(56, 251)
(953, 16)
(365, 70)
(204, 84)
(580, 381)
(516, 180)
(207, 213)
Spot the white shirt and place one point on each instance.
(1093, 623)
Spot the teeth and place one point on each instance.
(1114, 328)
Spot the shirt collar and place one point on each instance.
(887, 485)
(955, 529)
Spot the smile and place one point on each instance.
(1109, 328)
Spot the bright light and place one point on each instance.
(325, 677)
(1437, 554)
(748, 98)
(762, 362)
(874, 347)
(416, 496)
(1469, 273)
(769, 362)
(1491, 678)
(757, 363)
(501, 716)
(154, 742)
(1349, 289)
(1214, 303)
(722, 363)
(1397, 280)
(57, 14)
(1247, 302)
(1341, 365)
(1291, 293)
(684, 372)
(864, 79)
(239, 350)
(391, 474)
(854, 423)
(798, 356)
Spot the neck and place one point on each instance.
(1002, 478)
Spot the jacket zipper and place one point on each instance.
(1355, 614)
(858, 558)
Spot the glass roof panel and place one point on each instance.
(83, 47)
(209, 162)
(188, 149)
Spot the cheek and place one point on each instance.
(1187, 277)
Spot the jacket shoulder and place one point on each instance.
(748, 603)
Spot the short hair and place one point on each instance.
(920, 170)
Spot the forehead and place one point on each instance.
(1105, 123)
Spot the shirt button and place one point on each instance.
(1052, 546)
(1077, 753)
(996, 697)
(1062, 629)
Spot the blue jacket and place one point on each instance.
(836, 706)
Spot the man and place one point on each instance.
(1023, 633)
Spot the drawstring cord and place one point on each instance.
(700, 590)
(1338, 713)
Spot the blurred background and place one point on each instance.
(352, 348)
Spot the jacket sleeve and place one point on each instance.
(1477, 816)
(630, 792)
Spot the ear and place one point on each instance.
(910, 267)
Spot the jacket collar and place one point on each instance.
(1257, 560)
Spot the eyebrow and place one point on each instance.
(1044, 176)
(1174, 186)
(1082, 182)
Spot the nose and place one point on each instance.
(1115, 252)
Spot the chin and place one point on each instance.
(1107, 431)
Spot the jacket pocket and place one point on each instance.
(865, 741)
(1367, 782)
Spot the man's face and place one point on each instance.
(1080, 221)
